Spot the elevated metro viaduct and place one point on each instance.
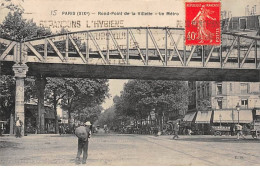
(127, 53)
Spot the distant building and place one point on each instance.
(241, 24)
(224, 95)
(62, 115)
(214, 103)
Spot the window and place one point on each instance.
(242, 23)
(230, 87)
(190, 99)
(207, 90)
(244, 103)
(194, 97)
(244, 88)
(219, 104)
(203, 91)
(219, 88)
(198, 92)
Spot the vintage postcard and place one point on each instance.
(129, 83)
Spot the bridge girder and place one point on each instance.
(143, 49)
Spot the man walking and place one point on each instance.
(239, 131)
(176, 130)
(83, 133)
(18, 128)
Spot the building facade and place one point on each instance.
(215, 103)
(224, 95)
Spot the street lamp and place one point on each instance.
(238, 108)
(220, 117)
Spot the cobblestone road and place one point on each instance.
(116, 149)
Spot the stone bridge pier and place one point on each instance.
(20, 71)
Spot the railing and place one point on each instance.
(138, 46)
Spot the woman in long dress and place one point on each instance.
(200, 21)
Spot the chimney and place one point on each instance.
(247, 10)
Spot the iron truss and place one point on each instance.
(153, 46)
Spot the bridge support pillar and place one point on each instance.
(40, 84)
(20, 71)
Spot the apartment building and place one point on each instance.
(216, 103)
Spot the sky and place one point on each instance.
(115, 87)
(44, 11)
(237, 7)
(40, 11)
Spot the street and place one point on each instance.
(128, 150)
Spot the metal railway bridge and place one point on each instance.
(128, 53)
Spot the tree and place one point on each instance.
(80, 97)
(82, 93)
(204, 104)
(54, 93)
(89, 114)
(16, 28)
(12, 5)
(7, 93)
(108, 117)
(140, 97)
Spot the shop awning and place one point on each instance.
(203, 117)
(189, 117)
(231, 116)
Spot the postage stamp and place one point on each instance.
(202, 23)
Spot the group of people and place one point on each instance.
(83, 132)
(62, 129)
(238, 129)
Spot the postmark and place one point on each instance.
(202, 23)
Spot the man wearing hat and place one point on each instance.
(83, 133)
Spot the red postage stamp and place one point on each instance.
(202, 23)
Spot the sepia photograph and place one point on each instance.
(129, 83)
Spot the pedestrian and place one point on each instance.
(83, 133)
(18, 128)
(91, 129)
(189, 132)
(232, 130)
(176, 130)
(61, 129)
(239, 131)
(105, 128)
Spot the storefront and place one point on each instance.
(31, 116)
(225, 117)
(203, 122)
(3, 127)
(228, 118)
(188, 122)
(256, 114)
